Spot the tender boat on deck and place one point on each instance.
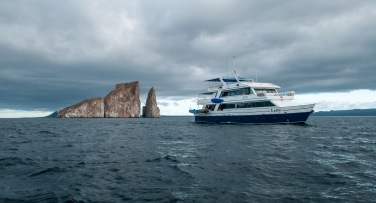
(241, 100)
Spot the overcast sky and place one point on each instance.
(56, 53)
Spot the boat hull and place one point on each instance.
(255, 119)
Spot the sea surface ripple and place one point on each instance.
(172, 159)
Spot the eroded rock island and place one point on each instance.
(122, 102)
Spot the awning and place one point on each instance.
(230, 80)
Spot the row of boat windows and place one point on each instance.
(241, 105)
(245, 91)
(242, 91)
(266, 90)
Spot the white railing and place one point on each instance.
(202, 101)
(291, 93)
(261, 93)
(264, 93)
(214, 87)
(204, 98)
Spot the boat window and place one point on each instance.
(268, 103)
(210, 107)
(226, 106)
(232, 93)
(240, 92)
(241, 105)
(247, 91)
(271, 91)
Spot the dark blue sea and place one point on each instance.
(172, 159)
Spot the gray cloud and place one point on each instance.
(54, 54)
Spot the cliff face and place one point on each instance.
(151, 110)
(123, 102)
(88, 108)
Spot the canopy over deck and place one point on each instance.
(229, 80)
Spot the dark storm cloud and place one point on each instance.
(54, 53)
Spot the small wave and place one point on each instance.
(154, 160)
(47, 197)
(167, 157)
(52, 170)
(177, 168)
(13, 161)
(12, 200)
(334, 179)
(157, 199)
(171, 158)
(12, 149)
(81, 163)
(46, 132)
(366, 174)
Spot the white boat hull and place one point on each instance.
(263, 115)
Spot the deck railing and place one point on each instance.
(204, 98)
(264, 93)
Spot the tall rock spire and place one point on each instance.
(151, 110)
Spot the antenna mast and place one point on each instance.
(226, 67)
(234, 61)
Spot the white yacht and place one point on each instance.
(242, 100)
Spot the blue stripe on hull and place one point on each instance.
(256, 119)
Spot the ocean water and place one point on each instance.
(172, 159)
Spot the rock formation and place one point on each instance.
(123, 102)
(88, 108)
(151, 110)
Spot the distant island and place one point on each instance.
(122, 102)
(53, 115)
(353, 112)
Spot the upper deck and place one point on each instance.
(238, 89)
(229, 83)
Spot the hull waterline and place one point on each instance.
(256, 119)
